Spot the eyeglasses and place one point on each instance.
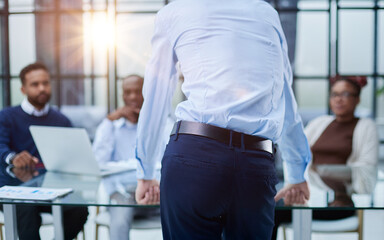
(344, 95)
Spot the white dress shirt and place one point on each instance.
(31, 110)
(233, 55)
(115, 141)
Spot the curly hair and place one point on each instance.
(358, 82)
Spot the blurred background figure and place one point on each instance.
(344, 151)
(18, 153)
(114, 142)
(115, 137)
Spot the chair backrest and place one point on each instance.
(152, 222)
(88, 117)
(147, 222)
(345, 225)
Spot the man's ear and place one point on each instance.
(23, 89)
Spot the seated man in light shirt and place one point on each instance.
(115, 141)
(115, 137)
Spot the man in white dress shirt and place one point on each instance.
(115, 141)
(115, 137)
(218, 177)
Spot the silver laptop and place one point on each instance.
(69, 150)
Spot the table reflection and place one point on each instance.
(336, 186)
(25, 174)
(119, 188)
(331, 186)
(336, 179)
(113, 190)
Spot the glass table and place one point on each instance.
(115, 190)
(96, 191)
(333, 188)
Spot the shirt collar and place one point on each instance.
(31, 110)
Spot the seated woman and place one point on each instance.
(342, 140)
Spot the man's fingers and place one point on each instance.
(306, 195)
(297, 196)
(147, 192)
(294, 194)
(150, 195)
(26, 154)
(304, 188)
(23, 153)
(157, 192)
(132, 117)
(145, 199)
(28, 162)
(289, 197)
(35, 160)
(149, 198)
(280, 194)
(20, 161)
(132, 114)
(303, 198)
(32, 163)
(24, 159)
(140, 197)
(156, 195)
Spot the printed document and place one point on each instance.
(32, 193)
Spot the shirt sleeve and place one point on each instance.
(103, 144)
(10, 157)
(159, 84)
(5, 137)
(293, 142)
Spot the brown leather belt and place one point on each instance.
(223, 135)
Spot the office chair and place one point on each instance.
(346, 225)
(102, 219)
(46, 220)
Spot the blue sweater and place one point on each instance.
(16, 137)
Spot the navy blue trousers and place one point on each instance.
(210, 190)
(29, 220)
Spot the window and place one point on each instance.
(90, 45)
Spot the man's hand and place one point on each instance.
(127, 112)
(147, 192)
(24, 160)
(24, 174)
(294, 194)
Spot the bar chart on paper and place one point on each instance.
(32, 193)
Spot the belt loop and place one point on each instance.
(177, 130)
(230, 139)
(242, 143)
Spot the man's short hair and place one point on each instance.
(31, 67)
(134, 75)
